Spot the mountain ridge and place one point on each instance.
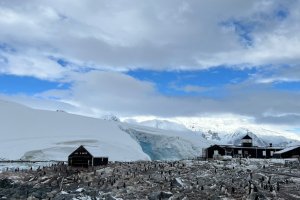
(261, 136)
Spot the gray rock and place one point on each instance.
(160, 195)
(32, 198)
(6, 183)
(177, 182)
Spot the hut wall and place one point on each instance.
(211, 150)
(80, 158)
(80, 161)
(100, 161)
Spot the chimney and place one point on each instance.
(271, 144)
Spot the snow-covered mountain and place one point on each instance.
(160, 124)
(44, 135)
(224, 131)
(110, 117)
(260, 137)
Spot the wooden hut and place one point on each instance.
(84, 157)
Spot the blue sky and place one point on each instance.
(170, 83)
(153, 58)
(210, 83)
(211, 80)
(287, 86)
(12, 84)
(166, 82)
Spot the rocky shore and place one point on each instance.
(187, 179)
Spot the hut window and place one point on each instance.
(240, 152)
(271, 152)
(264, 153)
(216, 152)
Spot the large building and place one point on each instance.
(245, 150)
(82, 157)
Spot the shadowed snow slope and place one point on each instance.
(171, 145)
(44, 135)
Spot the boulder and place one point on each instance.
(6, 183)
(160, 195)
(177, 182)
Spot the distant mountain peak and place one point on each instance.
(162, 124)
(111, 117)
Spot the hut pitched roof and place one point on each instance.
(94, 151)
(247, 137)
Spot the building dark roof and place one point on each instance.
(80, 148)
(253, 147)
(93, 151)
(287, 149)
(247, 137)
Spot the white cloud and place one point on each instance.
(283, 74)
(188, 88)
(160, 35)
(31, 65)
(121, 35)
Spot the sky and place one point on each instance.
(170, 58)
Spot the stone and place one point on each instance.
(160, 195)
(32, 198)
(6, 183)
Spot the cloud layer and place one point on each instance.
(123, 35)
(91, 44)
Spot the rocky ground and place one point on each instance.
(188, 179)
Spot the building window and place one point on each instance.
(264, 153)
(240, 152)
(271, 152)
(216, 152)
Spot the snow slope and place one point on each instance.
(49, 135)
